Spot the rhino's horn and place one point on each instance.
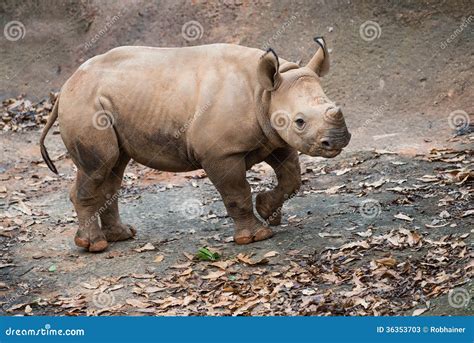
(320, 61)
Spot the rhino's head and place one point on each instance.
(299, 111)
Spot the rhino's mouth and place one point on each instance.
(316, 150)
(331, 153)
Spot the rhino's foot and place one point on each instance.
(119, 232)
(247, 236)
(270, 212)
(97, 245)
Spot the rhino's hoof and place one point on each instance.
(98, 246)
(119, 233)
(81, 242)
(246, 236)
(243, 237)
(263, 233)
(264, 209)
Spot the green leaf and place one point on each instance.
(204, 254)
(52, 268)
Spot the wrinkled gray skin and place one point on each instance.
(220, 107)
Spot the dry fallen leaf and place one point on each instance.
(333, 190)
(182, 265)
(246, 259)
(186, 272)
(387, 261)
(137, 303)
(364, 234)
(89, 286)
(342, 171)
(220, 264)
(419, 311)
(143, 276)
(467, 213)
(271, 254)
(403, 217)
(358, 244)
(214, 275)
(329, 235)
(159, 258)
(146, 247)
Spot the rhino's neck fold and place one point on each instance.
(262, 100)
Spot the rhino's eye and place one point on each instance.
(300, 123)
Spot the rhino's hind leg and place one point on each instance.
(95, 153)
(229, 178)
(112, 225)
(287, 168)
(86, 202)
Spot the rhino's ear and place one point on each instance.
(267, 71)
(320, 61)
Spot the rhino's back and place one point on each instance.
(147, 73)
(149, 60)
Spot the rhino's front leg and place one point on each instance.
(228, 176)
(286, 164)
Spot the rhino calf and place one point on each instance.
(220, 107)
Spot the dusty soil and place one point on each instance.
(384, 228)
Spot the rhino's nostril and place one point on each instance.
(325, 143)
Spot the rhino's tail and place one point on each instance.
(52, 118)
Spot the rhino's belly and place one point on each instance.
(158, 149)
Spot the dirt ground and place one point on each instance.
(383, 229)
(369, 233)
